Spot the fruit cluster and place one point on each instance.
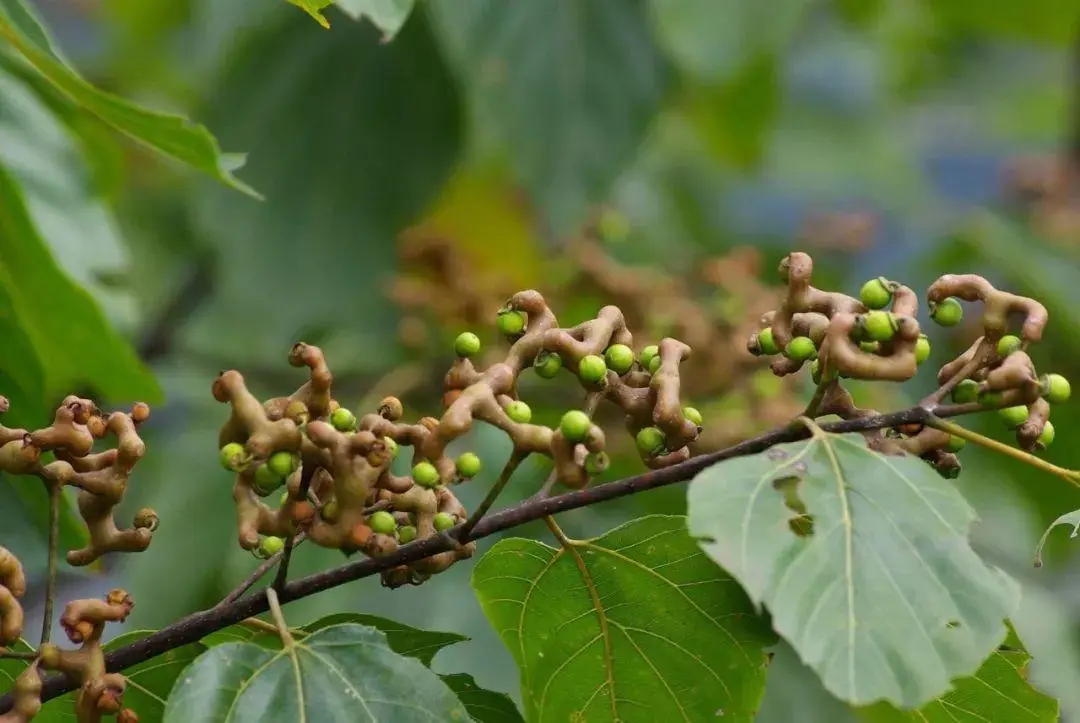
(877, 337)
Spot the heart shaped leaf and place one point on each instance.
(636, 625)
(343, 673)
(862, 559)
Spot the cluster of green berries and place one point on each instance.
(877, 293)
(652, 442)
(269, 476)
(1055, 388)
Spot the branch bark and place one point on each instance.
(195, 627)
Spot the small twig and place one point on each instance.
(282, 627)
(1070, 476)
(558, 532)
(507, 472)
(55, 490)
(257, 573)
(18, 655)
(592, 401)
(306, 475)
(811, 411)
(939, 394)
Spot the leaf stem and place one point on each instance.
(281, 627)
(1070, 476)
(508, 470)
(565, 541)
(18, 655)
(306, 475)
(55, 490)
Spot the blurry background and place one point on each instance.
(658, 154)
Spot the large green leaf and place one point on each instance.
(339, 188)
(341, 673)
(570, 87)
(714, 40)
(863, 561)
(171, 135)
(998, 692)
(484, 706)
(636, 625)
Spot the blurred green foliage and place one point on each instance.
(707, 124)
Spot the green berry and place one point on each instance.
(647, 355)
(443, 521)
(592, 369)
(1047, 437)
(966, 391)
(468, 465)
(879, 325)
(956, 443)
(511, 323)
(870, 347)
(547, 365)
(406, 534)
(329, 511)
(1056, 388)
(232, 456)
(766, 342)
(989, 398)
(650, 441)
(815, 371)
(382, 523)
(619, 358)
(800, 349)
(1013, 417)
(693, 415)
(283, 463)
(874, 294)
(467, 345)
(266, 480)
(519, 411)
(654, 364)
(922, 349)
(948, 312)
(343, 420)
(270, 546)
(425, 474)
(575, 425)
(597, 463)
(391, 447)
(1008, 344)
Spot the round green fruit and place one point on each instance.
(266, 480)
(511, 323)
(989, 398)
(468, 465)
(1008, 344)
(693, 415)
(654, 364)
(1056, 389)
(343, 420)
(956, 443)
(382, 523)
(650, 441)
(815, 371)
(766, 342)
(467, 345)
(870, 347)
(879, 325)
(283, 463)
(948, 312)
(592, 369)
(270, 546)
(425, 474)
(648, 354)
(922, 349)
(800, 349)
(966, 391)
(329, 511)
(547, 365)
(575, 425)
(443, 521)
(597, 463)
(874, 294)
(1047, 437)
(619, 358)
(406, 534)
(1013, 417)
(233, 456)
(519, 412)
(391, 447)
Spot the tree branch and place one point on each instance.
(195, 627)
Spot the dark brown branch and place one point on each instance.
(198, 625)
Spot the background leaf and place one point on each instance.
(630, 626)
(484, 706)
(340, 673)
(387, 15)
(881, 594)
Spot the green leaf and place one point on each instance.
(1069, 518)
(484, 706)
(171, 135)
(636, 625)
(999, 691)
(863, 561)
(570, 87)
(339, 192)
(715, 40)
(10, 669)
(65, 325)
(1043, 21)
(314, 8)
(341, 673)
(387, 15)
